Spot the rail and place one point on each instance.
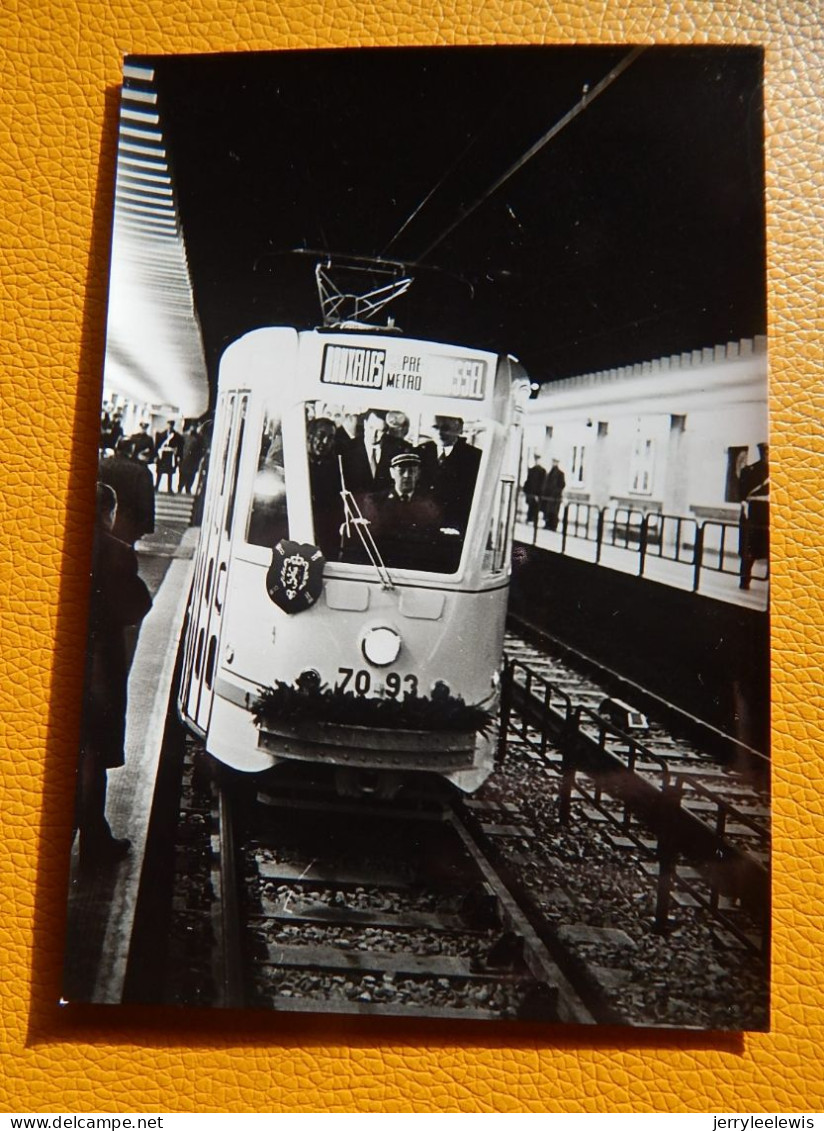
(598, 758)
(710, 545)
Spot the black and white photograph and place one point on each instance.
(427, 671)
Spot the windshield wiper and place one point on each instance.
(353, 517)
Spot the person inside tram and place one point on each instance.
(397, 425)
(346, 429)
(407, 520)
(364, 465)
(449, 469)
(325, 485)
(366, 459)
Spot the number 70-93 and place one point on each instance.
(360, 682)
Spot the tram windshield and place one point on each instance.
(405, 476)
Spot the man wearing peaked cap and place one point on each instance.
(405, 471)
(406, 520)
(168, 446)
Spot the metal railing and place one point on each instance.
(709, 545)
(649, 798)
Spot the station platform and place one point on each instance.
(678, 575)
(102, 904)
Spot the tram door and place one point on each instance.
(209, 590)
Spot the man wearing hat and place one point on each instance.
(167, 446)
(141, 442)
(406, 518)
(449, 468)
(553, 494)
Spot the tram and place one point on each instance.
(350, 583)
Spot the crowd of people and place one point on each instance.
(416, 499)
(173, 454)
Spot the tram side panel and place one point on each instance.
(252, 366)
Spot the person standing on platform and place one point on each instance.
(119, 599)
(141, 442)
(131, 482)
(754, 520)
(167, 454)
(191, 452)
(111, 430)
(533, 489)
(553, 495)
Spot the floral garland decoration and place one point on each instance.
(307, 701)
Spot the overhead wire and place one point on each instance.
(442, 180)
(586, 100)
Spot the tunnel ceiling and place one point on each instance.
(635, 232)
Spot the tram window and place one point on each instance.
(230, 507)
(268, 520)
(410, 475)
(495, 554)
(227, 440)
(199, 653)
(210, 662)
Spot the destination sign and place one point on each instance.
(359, 366)
(434, 375)
(463, 377)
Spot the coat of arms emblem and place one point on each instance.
(295, 578)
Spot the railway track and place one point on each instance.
(706, 830)
(355, 908)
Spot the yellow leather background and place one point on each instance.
(61, 62)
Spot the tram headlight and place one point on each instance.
(381, 646)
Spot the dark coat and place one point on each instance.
(357, 471)
(119, 598)
(452, 482)
(754, 525)
(132, 483)
(141, 442)
(554, 484)
(191, 453)
(407, 533)
(534, 482)
(327, 505)
(168, 446)
(553, 494)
